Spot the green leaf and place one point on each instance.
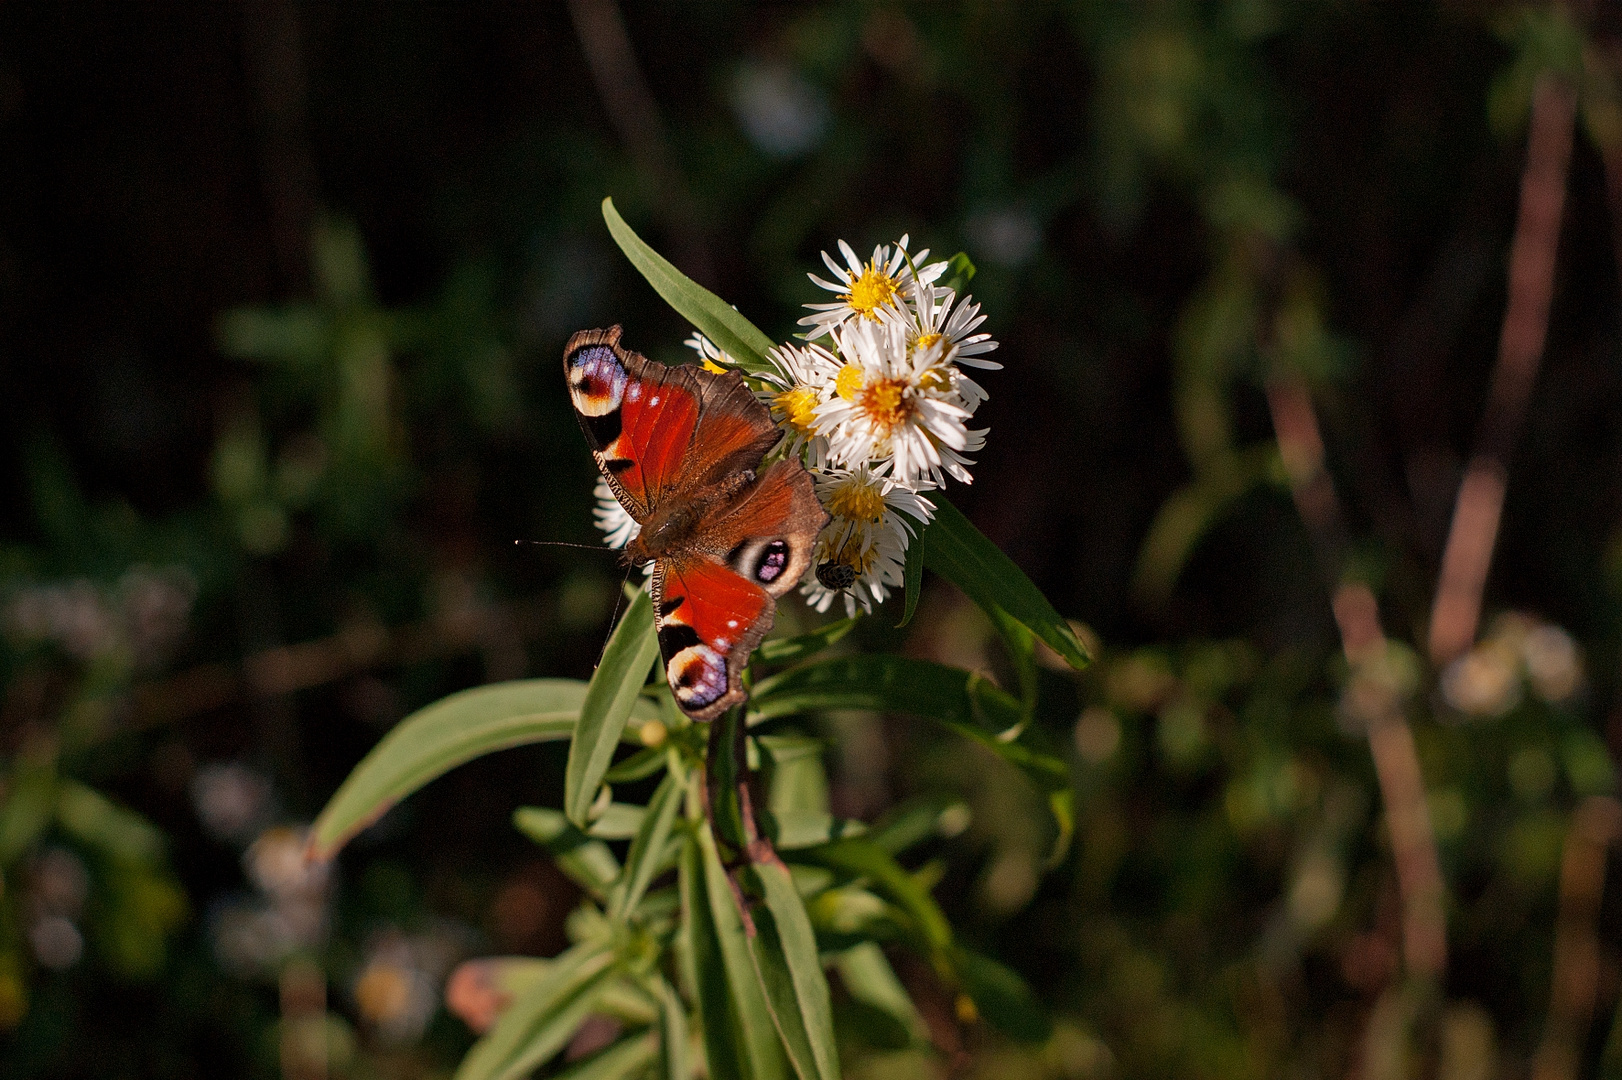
(704, 969)
(756, 1037)
(645, 860)
(961, 554)
(912, 576)
(639, 766)
(628, 1057)
(808, 828)
(672, 1029)
(615, 689)
(858, 857)
(960, 700)
(541, 1021)
(784, 952)
(723, 773)
(436, 739)
(586, 862)
(715, 318)
(959, 272)
(867, 974)
(789, 650)
(888, 683)
(617, 821)
(1021, 646)
(1002, 997)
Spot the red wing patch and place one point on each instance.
(638, 416)
(710, 619)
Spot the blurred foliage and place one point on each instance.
(258, 509)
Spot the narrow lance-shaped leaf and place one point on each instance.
(790, 650)
(784, 952)
(642, 862)
(867, 974)
(613, 694)
(961, 554)
(542, 1019)
(434, 740)
(585, 861)
(706, 971)
(627, 1058)
(856, 857)
(715, 318)
(756, 1034)
(672, 1029)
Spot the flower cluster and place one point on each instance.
(875, 401)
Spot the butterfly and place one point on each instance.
(681, 448)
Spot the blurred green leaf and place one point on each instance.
(866, 973)
(614, 692)
(541, 1021)
(1002, 997)
(704, 969)
(961, 554)
(436, 739)
(784, 952)
(585, 861)
(789, 650)
(858, 857)
(808, 828)
(628, 1057)
(715, 318)
(645, 860)
(672, 1029)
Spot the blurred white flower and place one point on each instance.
(861, 552)
(864, 289)
(233, 802)
(1006, 237)
(784, 115)
(1553, 664)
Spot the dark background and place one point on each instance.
(163, 164)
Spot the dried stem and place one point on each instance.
(1372, 694)
(1595, 826)
(1474, 531)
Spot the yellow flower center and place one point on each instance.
(886, 402)
(848, 383)
(871, 291)
(925, 341)
(857, 502)
(854, 554)
(710, 365)
(936, 378)
(798, 408)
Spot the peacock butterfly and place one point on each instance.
(681, 448)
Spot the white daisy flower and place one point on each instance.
(710, 356)
(937, 315)
(609, 516)
(800, 380)
(861, 553)
(864, 289)
(904, 408)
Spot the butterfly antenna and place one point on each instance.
(564, 543)
(613, 619)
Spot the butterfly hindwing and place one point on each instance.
(713, 609)
(710, 619)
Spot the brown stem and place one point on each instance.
(1474, 531)
(1595, 826)
(634, 113)
(1371, 694)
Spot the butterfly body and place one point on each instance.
(682, 449)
